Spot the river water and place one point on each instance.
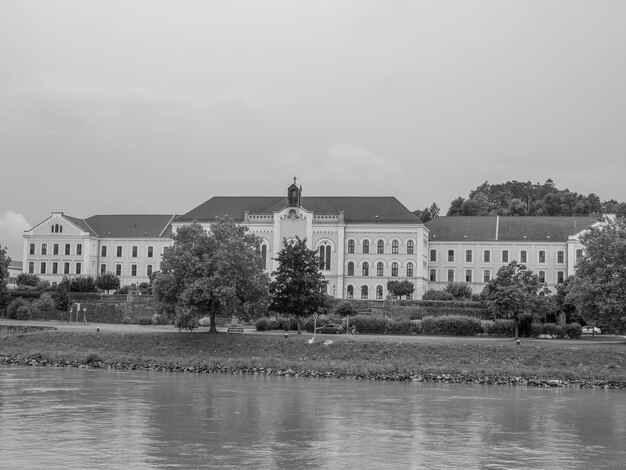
(81, 418)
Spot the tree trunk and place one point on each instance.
(516, 323)
(299, 322)
(213, 327)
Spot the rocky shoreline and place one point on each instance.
(96, 363)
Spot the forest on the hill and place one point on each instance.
(520, 198)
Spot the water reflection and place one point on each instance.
(68, 418)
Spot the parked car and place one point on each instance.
(589, 330)
(330, 328)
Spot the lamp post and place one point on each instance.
(69, 298)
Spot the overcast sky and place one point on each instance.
(154, 107)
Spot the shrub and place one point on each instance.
(205, 321)
(126, 320)
(525, 322)
(263, 324)
(401, 327)
(452, 325)
(573, 330)
(550, 329)
(459, 290)
(144, 320)
(344, 309)
(502, 328)
(158, 319)
(416, 327)
(536, 329)
(22, 313)
(14, 307)
(43, 306)
(433, 294)
(370, 324)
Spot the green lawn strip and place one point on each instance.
(362, 358)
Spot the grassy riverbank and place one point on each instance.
(472, 362)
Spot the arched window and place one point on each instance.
(325, 257)
(409, 270)
(350, 246)
(364, 292)
(350, 268)
(380, 246)
(52, 229)
(410, 247)
(264, 256)
(379, 292)
(394, 269)
(350, 292)
(366, 246)
(365, 270)
(394, 247)
(379, 268)
(61, 228)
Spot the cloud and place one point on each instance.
(12, 226)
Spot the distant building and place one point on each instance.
(363, 242)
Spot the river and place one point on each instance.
(82, 418)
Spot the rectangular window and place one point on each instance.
(560, 277)
(450, 255)
(149, 270)
(433, 255)
(103, 269)
(394, 269)
(68, 249)
(433, 275)
(379, 269)
(450, 275)
(560, 256)
(78, 268)
(523, 256)
(579, 254)
(486, 275)
(66, 268)
(42, 268)
(410, 247)
(103, 251)
(409, 270)
(79, 249)
(505, 256)
(150, 252)
(134, 252)
(119, 251)
(55, 268)
(468, 256)
(468, 275)
(31, 267)
(542, 256)
(487, 256)
(542, 276)
(118, 269)
(55, 249)
(133, 270)
(31, 249)
(44, 248)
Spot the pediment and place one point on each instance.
(57, 225)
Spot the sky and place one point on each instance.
(147, 106)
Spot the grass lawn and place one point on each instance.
(343, 358)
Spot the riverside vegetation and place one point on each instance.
(482, 363)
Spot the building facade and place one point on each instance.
(363, 242)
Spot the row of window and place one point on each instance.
(380, 247)
(55, 249)
(365, 269)
(119, 251)
(365, 292)
(504, 256)
(133, 269)
(469, 276)
(55, 266)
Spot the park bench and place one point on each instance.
(234, 326)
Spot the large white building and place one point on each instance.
(363, 242)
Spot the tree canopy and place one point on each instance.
(599, 287)
(209, 273)
(5, 261)
(108, 282)
(400, 288)
(511, 292)
(526, 198)
(298, 285)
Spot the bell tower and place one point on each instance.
(293, 194)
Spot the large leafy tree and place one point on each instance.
(599, 287)
(298, 285)
(400, 288)
(511, 292)
(5, 261)
(209, 273)
(108, 282)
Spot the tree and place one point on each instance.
(599, 287)
(210, 273)
(63, 291)
(511, 292)
(459, 290)
(26, 279)
(108, 282)
(400, 288)
(298, 285)
(5, 261)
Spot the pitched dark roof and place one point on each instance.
(131, 225)
(355, 209)
(81, 224)
(483, 228)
